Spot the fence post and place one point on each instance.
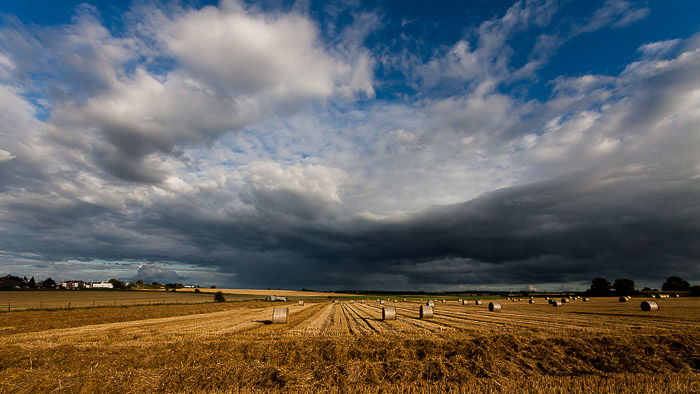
(8, 306)
(69, 305)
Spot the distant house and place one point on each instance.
(72, 284)
(102, 285)
(275, 298)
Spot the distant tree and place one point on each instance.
(219, 297)
(212, 287)
(172, 286)
(117, 283)
(647, 289)
(32, 283)
(47, 283)
(694, 291)
(138, 284)
(624, 286)
(599, 287)
(675, 283)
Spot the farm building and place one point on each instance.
(102, 285)
(275, 298)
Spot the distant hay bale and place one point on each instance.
(585, 299)
(443, 301)
(532, 301)
(301, 302)
(622, 299)
(460, 300)
(564, 300)
(335, 302)
(557, 303)
(648, 306)
(546, 298)
(464, 302)
(396, 300)
(426, 312)
(430, 303)
(280, 315)
(381, 302)
(494, 307)
(352, 301)
(676, 296)
(478, 302)
(388, 313)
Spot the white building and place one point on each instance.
(275, 298)
(102, 285)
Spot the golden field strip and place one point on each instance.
(18, 300)
(601, 345)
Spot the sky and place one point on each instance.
(398, 145)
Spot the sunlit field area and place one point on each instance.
(602, 344)
(19, 300)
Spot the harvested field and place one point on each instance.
(19, 300)
(599, 345)
(262, 293)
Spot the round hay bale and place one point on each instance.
(381, 302)
(460, 300)
(648, 306)
(585, 299)
(426, 312)
(676, 296)
(494, 307)
(465, 302)
(388, 313)
(301, 303)
(352, 301)
(396, 300)
(557, 303)
(430, 303)
(622, 299)
(531, 301)
(564, 300)
(478, 302)
(280, 315)
(335, 302)
(443, 301)
(546, 298)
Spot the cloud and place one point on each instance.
(231, 68)
(268, 163)
(151, 272)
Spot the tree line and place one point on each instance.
(624, 287)
(15, 282)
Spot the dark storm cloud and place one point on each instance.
(641, 225)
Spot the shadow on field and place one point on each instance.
(265, 322)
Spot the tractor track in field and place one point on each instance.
(353, 312)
